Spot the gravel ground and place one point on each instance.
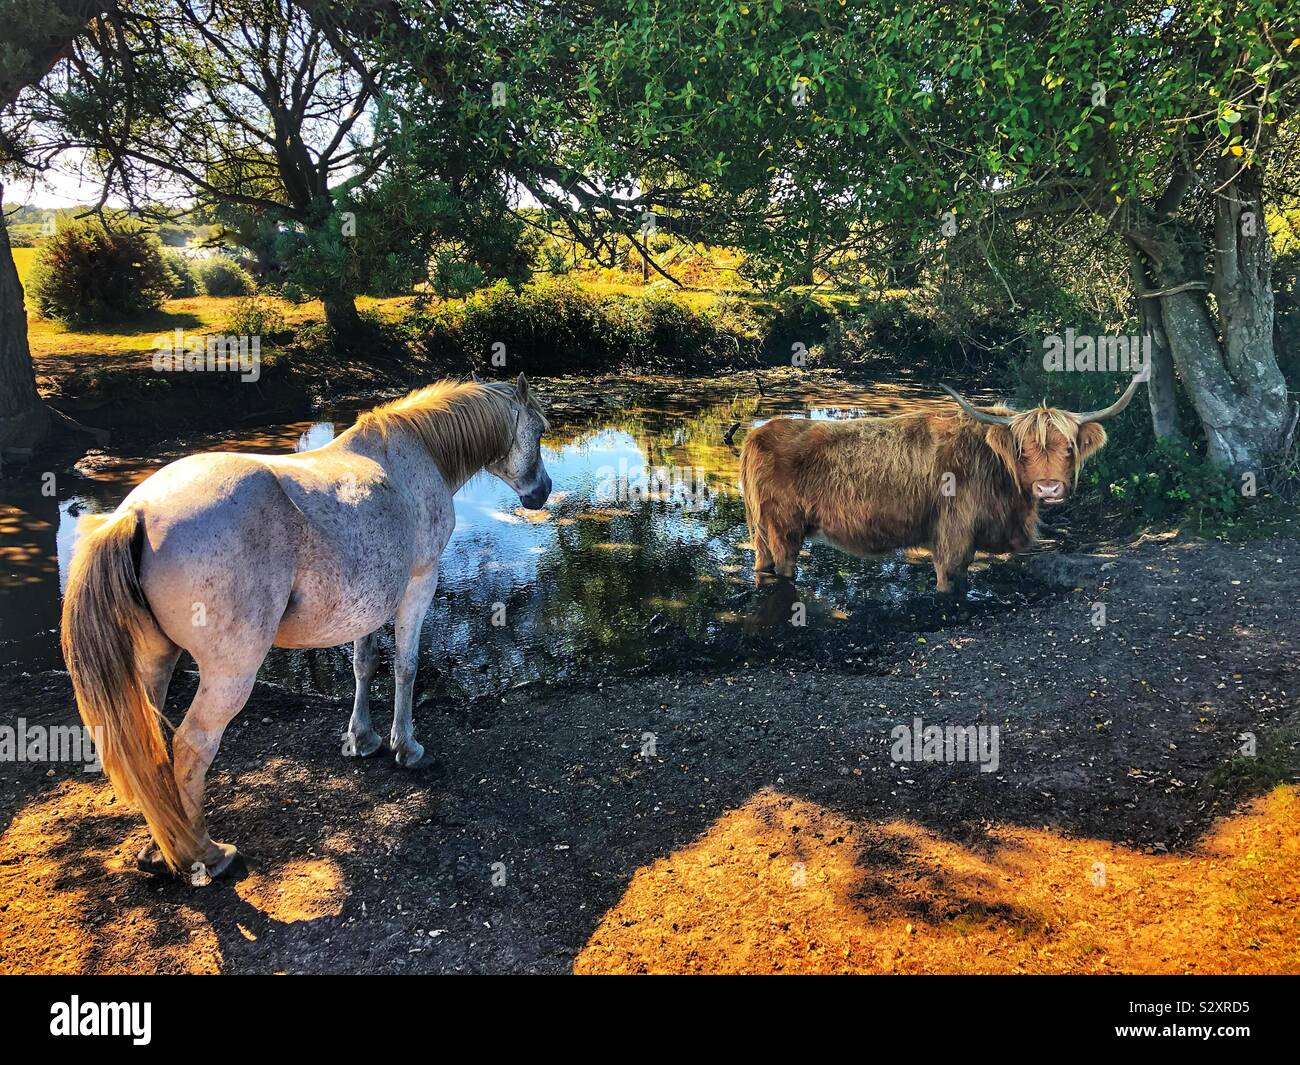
(540, 807)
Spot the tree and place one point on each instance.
(36, 36)
(23, 417)
(1158, 121)
(240, 105)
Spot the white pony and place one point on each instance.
(226, 555)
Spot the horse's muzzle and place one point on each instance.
(536, 499)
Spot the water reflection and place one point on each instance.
(640, 558)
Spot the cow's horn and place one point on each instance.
(978, 415)
(1119, 404)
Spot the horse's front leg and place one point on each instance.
(406, 641)
(360, 740)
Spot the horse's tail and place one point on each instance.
(104, 616)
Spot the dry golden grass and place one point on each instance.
(783, 885)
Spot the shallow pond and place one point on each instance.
(640, 559)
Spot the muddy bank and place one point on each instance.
(128, 396)
(568, 825)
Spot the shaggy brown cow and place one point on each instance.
(955, 483)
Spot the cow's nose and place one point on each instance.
(1049, 490)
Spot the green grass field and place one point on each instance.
(199, 314)
(23, 259)
(131, 340)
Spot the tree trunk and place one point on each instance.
(24, 419)
(1162, 385)
(341, 314)
(1235, 385)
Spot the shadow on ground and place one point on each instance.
(748, 817)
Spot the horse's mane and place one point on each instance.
(464, 425)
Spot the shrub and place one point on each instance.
(452, 277)
(255, 316)
(293, 293)
(882, 329)
(557, 261)
(222, 276)
(87, 272)
(181, 281)
(555, 326)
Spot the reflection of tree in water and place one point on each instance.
(609, 579)
(674, 432)
(29, 575)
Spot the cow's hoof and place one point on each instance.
(410, 756)
(362, 746)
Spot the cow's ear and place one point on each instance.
(1003, 445)
(1092, 438)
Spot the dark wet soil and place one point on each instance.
(506, 853)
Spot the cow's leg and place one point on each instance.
(952, 554)
(785, 542)
(360, 740)
(951, 579)
(406, 647)
(762, 556)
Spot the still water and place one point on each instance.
(640, 559)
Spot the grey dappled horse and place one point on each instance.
(227, 555)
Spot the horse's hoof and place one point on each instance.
(150, 860)
(411, 756)
(219, 860)
(362, 746)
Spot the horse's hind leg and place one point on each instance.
(220, 697)
(360, 739)
(406, 648)
(156, 657)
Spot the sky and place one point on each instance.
(56, 188)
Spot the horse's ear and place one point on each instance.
(522, 390)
